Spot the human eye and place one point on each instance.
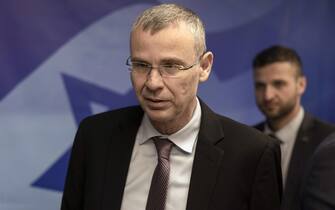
(140, 66)
(279, 84)
(170, 68)
(259, 86)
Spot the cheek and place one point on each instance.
(184, 88)
(132, 80)
(189, 86)
(258, 95)
(137, 83)
(259, 100)
(286, 93)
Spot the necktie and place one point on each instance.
(278, 140)
(280, 143)
(159, 183)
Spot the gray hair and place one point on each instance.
(159, 17)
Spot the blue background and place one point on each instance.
(61, 60)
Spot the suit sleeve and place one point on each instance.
(74, 185)
(267, 187)
(318, 192)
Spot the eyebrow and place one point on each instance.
(174, 60)
(259, 82)
(138, 59)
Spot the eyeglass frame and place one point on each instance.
(150, 67)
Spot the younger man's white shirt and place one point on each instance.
(287, 135)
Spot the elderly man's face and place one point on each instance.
(168, 101)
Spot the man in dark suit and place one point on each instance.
(279, 85)
(318, 189)
(203, 160)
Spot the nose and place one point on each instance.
(268, 93)
(154, 80)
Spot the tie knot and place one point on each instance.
(163, 147)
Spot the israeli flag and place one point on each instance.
(63, 60)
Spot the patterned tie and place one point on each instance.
(159, 183)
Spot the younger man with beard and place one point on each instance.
(279, 85)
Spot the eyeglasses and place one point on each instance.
(165, 70)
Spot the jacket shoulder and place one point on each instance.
(314, 127)
(322, 125)
(122, 115)
(259, 126)
(246, 135)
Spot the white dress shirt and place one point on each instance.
(144, 160)
(287, 135)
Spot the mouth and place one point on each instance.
(270, 104)
(270, 107)
(154, 103)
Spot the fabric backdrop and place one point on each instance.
(61, 60)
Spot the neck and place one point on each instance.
(177, 123)
(278, 123)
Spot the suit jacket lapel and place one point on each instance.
(260, 126)
(121, 145)
(206, 161)
(302, 149)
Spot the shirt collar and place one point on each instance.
(290, 130)
(184, 139)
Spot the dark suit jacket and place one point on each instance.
(318, 190)
(311, 132)
(235, 167)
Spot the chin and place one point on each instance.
(273, 115)
(270, 113)
(158, 115)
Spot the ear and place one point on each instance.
(302, 83)
(206, 63)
